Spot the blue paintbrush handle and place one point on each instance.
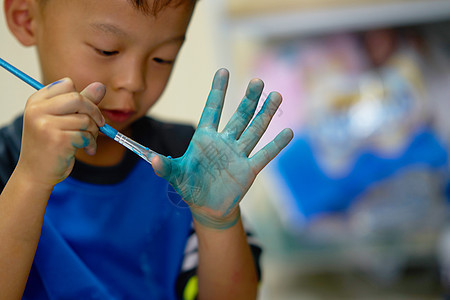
(21, 75)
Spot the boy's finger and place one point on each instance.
(74, 103)
(79, 122)
(256, 129)
(162, 166)
(62, 86)
(213, 107)
(245, 111)
(94, 92)
(83, 139)
(266, 154)
(74, 122)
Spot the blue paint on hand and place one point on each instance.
(216, 171)
(55, 83)
(85, 141)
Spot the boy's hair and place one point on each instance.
(145, 7)
(157, 5)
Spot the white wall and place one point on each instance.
(13, 92)
(183, 99)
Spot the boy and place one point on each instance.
(109, 231)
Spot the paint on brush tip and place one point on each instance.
(108, 131)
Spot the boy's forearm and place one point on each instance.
(22, 209)
(226, 268)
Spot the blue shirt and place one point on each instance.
(121, 241)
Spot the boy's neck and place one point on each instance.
(109, 153)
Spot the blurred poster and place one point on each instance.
(365, 124)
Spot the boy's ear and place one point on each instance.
(19, 17)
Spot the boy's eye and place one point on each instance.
(106, 53)
(162, 61)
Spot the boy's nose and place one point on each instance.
(130, 76)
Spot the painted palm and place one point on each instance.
(216, 171)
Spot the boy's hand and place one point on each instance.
(58, 121)
(215, 172)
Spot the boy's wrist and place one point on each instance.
(23, 174)
(214, 222)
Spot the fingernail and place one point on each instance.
(101, 89)
(91, 151)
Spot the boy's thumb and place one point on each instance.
(162, 166)
(94, 92)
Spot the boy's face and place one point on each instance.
(110, 41)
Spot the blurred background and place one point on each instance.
(357, 206)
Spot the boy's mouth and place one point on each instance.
(117, 116)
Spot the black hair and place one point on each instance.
(150, 9)
(157, 5)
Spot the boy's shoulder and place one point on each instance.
(10, 141)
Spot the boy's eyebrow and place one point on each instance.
(112, 29)
(108, 28)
